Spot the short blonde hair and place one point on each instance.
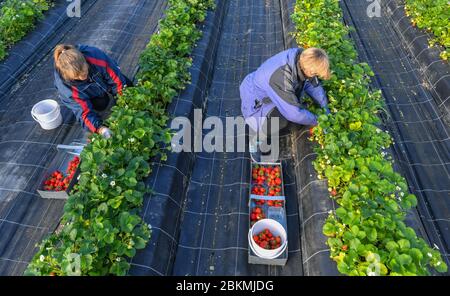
(316, 62)
(70, 62)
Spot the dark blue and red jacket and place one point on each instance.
(278, 83)
(104, 77)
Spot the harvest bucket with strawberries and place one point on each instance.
(268, 239)
(267, 206)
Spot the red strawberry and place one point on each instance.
(333, 192)
(278, 181)
(263, 244)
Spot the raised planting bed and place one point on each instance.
(367, 234)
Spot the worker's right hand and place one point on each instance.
(105, 132)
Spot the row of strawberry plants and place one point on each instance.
(102, 225)
(433, 16)
(17, 18)
(367, 234)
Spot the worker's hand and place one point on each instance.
(105, 132)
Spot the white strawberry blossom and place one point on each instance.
(113, 183)
(104, 176)
(41, 258)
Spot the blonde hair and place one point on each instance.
(70, 62)
(315, 61)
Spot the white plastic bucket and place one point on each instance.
(47, 113)
(276, 229)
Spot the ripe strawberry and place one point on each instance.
(344, 248)
(278, 239)
(278, 181)
(256, 238)
(257, 210)
(253, 216)
(333, 192)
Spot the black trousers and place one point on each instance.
(101, 103)
(285, 126)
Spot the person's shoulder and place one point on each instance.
(90, 51)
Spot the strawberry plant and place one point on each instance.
(102, 225)
(17, 18)
(433, 16)
(367, 234)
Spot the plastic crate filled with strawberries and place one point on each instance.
(58, 181)
(266, 182)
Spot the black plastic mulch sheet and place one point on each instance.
(199, 211)
(435, 72)
(214, 227)
(422, 143)
(122, 29)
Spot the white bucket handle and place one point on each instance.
(34, 117)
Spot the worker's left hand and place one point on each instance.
(105, 132)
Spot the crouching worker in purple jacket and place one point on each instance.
(276, 89)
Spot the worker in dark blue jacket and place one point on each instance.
(87, 79)
(276, 88)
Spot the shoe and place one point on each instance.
(253, 145)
